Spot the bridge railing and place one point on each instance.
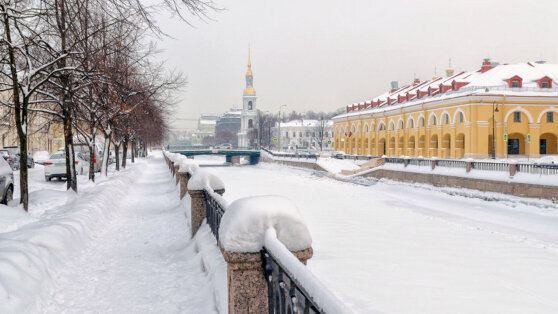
(274, 286)
(299, 155)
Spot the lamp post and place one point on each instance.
(279, 126)
(493, 128)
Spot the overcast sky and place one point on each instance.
(323, 54)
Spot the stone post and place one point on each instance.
(468, 166)
(406, 162)
(199, 208)
(247, 286)
(433, 164)
(235, 160)
(513, 169)
(183, 178)
(176, 173)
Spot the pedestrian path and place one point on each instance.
(142, 262)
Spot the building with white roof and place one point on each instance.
(306, 134)
(497, 110)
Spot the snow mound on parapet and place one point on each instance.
(246, 220)
(205, 178)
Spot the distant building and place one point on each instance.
(205, 131)
(306, 134)
(228, 127)
(501, 109)
(246, 136)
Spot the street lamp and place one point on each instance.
(279, 126)
(493, 127)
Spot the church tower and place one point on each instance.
(247, 134)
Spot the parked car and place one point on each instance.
(6, 182)
(55, 166)
(224, 146)
(338, 154)
(41, 157)
(14, 151)
(11, 158)
(97, 156)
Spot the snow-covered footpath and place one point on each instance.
(121, 245)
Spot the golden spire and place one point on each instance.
(249, 71)
(449, 71)
(249, 63)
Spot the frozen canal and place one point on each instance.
(397, 248)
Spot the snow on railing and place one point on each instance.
(490, 166)
(292, 287)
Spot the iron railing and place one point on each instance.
(451, 163)
(214, 213)
(550, 169)
(286, 294)
(490, 166)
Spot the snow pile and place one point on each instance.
(326, 300)
(547, 160)
(205, 179)
(246, 220)
(188, 165)
(33, 255)
(334, 165)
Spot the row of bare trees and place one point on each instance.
(87, 65)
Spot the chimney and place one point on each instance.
(416, 82)
(486, 65)
(394, 86)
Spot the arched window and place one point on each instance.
(460, 117)
(434, 120)
(250, 124)
(446, 119)
(366, 128)
(392, 126)
(401, 126)
(412, 124)
(250, 105)
(422, 122)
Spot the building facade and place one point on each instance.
(227, 127)
(512, 108)
(205, 133)
(306, 134)
(246, 136)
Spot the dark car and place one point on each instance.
(11, 158)
(14, 151)
(6, 182)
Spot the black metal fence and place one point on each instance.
(214, 213)
(286, 294)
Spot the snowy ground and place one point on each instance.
(121, 245)
(401, 248)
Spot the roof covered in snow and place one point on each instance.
(304, 123)
(530, 78)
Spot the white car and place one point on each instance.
(55, 166)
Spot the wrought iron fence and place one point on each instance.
(286, 294)
(395, 160)
(214, 213)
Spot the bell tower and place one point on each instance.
(246, 136)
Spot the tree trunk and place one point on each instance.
(92, 157)
(71, 179)
(20, 115)
(124, 152)
(104, 165)
(117, 155)
(133, 151)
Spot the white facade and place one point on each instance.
(306, 134)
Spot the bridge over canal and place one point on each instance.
(231, 155)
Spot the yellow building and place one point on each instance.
(456, 116)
